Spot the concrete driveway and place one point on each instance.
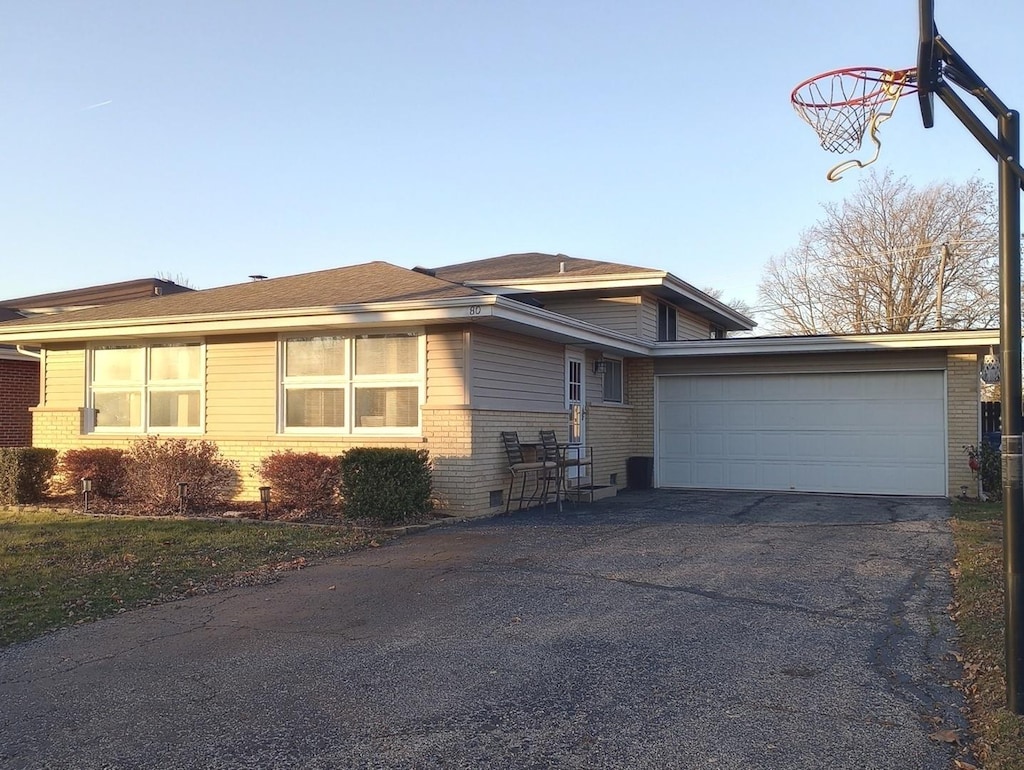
(655, 630)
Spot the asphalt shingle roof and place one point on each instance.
(534, 265)
(354, 285)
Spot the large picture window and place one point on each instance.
(365, 384)
(146, 388)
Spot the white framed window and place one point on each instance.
(369, 383)
(155, 388)
(666, 323)
(612, 380)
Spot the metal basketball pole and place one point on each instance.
(1004, 146)
(1010, 385)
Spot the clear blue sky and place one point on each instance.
(213, 139)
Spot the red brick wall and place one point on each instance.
(19, 390)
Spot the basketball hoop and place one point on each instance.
(844, 105)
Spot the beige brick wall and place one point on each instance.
(610, 434)
(640, 396)
(449, 433)
(962, 405)
(490, 465)
(462, 479)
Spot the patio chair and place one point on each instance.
(540, 470)
(566, 457)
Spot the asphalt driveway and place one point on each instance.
(654, 630)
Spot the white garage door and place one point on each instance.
(862, 432)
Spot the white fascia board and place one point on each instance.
(579, 331)
(574, 283)
(620, 281)
(377, 314)
(693, 293)
(863, 343)
(480, 309)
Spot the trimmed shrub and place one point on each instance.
(301, 480)
(989, 462)
(24, 473)
(386, 485)
(153, 468)
(106, 468)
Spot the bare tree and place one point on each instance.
(737, 304)
(890, 258)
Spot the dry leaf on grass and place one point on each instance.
(945, 736)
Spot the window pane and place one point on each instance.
(117, 365)
(174, 409)
(118, 410)
(174, 362)
(612, 380)
(387, 407)
(315, 408)
(315, 357)
(387, 354)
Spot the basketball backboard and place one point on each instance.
(927, 64)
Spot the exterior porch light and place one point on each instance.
(265, 499)
(182, 492)
(86, 491)
(599, 366)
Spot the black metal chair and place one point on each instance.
(566, 456)
(521, 470)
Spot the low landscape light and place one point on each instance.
(182, 492)
(86, 491)
(265, 499)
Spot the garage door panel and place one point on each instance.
(866, 432)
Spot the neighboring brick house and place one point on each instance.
(19, 370)
(627, 360)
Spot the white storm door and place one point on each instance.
(575, 397)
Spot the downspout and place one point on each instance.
(30, 353)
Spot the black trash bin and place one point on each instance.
(639, 472)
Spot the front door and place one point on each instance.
(575, 395)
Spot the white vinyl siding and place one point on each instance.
(64, 376)
(446, 368)
(691, 327)
(517, 373)
(241, 372)
(620, 314)
(880, 432)
(688, 325)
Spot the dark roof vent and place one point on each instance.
(425, 271)
(258, 277)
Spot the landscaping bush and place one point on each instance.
(301, 480)
(989, 462)
(106, 468)
(386, 485)
(153, 468)
(24, 473)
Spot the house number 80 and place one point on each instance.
(475, 309)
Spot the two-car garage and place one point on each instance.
(872, 430)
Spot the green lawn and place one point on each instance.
(978, 612)
(58, 569)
